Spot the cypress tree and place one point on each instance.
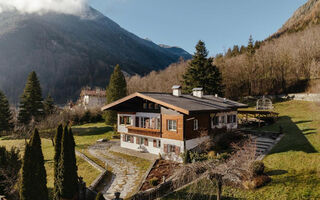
(33, 177)
(116, 89)
(57, 153)
(26, 185)
(31, 105)
(48, 105)
(5, 114)
(202, 73)
(68, 184)
(39, 171)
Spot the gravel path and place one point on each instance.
(125, 174)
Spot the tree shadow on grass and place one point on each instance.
(91, 131)
(277, 172)
(294, 138)
(197, 196)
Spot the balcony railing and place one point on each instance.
(144, 131)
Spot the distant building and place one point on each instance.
(92, 98)
(170, 124)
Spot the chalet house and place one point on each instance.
(169, 124)
(92, 98)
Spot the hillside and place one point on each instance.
(304, 17)
(287, 64)
(69, 52)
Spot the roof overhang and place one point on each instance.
(137, 94)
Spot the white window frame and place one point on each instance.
(172, 125)
(127, 116)
(195, 124)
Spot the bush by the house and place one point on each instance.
(198, 157)
(223, 156)
(186, 157)
(212, 155)
(224, 140)
(257, 168)
(154, 181)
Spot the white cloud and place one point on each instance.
(75, 7)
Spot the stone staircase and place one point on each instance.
(264, 145)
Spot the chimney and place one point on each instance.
(197, 92)
(176, 90)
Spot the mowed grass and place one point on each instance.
(293, 164)
(84, 135)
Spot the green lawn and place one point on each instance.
(84, 135)
(293, 164)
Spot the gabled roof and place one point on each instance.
(184, 103)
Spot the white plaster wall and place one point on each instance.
(134, 146)
(190, 144)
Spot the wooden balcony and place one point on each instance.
(144, 131)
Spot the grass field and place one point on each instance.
(84, 135)
(293, 164)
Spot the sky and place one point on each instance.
(219, 23)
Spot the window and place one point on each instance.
(171, 148)
(195, 124)
(156, 106)
(129, 138)
(215, 120)
(234, 118)
(125, 120)
(145, 105)
(222, 120)
(172, 125)
(145, 122)
(151, 106)
(156, 143)
(229, 119)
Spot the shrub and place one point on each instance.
(186, 157)
(198, 157)
(212, 155)
(154, 181)
(224, 156)
(261, 181)
(225, 139)
(257, 168)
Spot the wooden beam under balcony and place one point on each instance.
(144, 131)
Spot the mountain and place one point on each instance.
(305, 16)
(69, 52)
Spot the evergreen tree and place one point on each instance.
(202, 73)
(34, 177)
(31, 105)
(116, 89)
(68, 182)
(48, 105)
(5, 114)
(250, 48)
(57, 153)
(26, 185)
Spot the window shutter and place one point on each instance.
(137, 140)
(177, 125)
(177, 150)
(154, 143)
(165, 148)
(123, 138)
(131, 139)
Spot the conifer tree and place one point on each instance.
(202, 73)
(31, 105)
(39, 171)
(34, 177)
(26, 184)
(5, 114)
(57, 153)
(68, 183)
(48, 105)
(116, 89)
(250, 49)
